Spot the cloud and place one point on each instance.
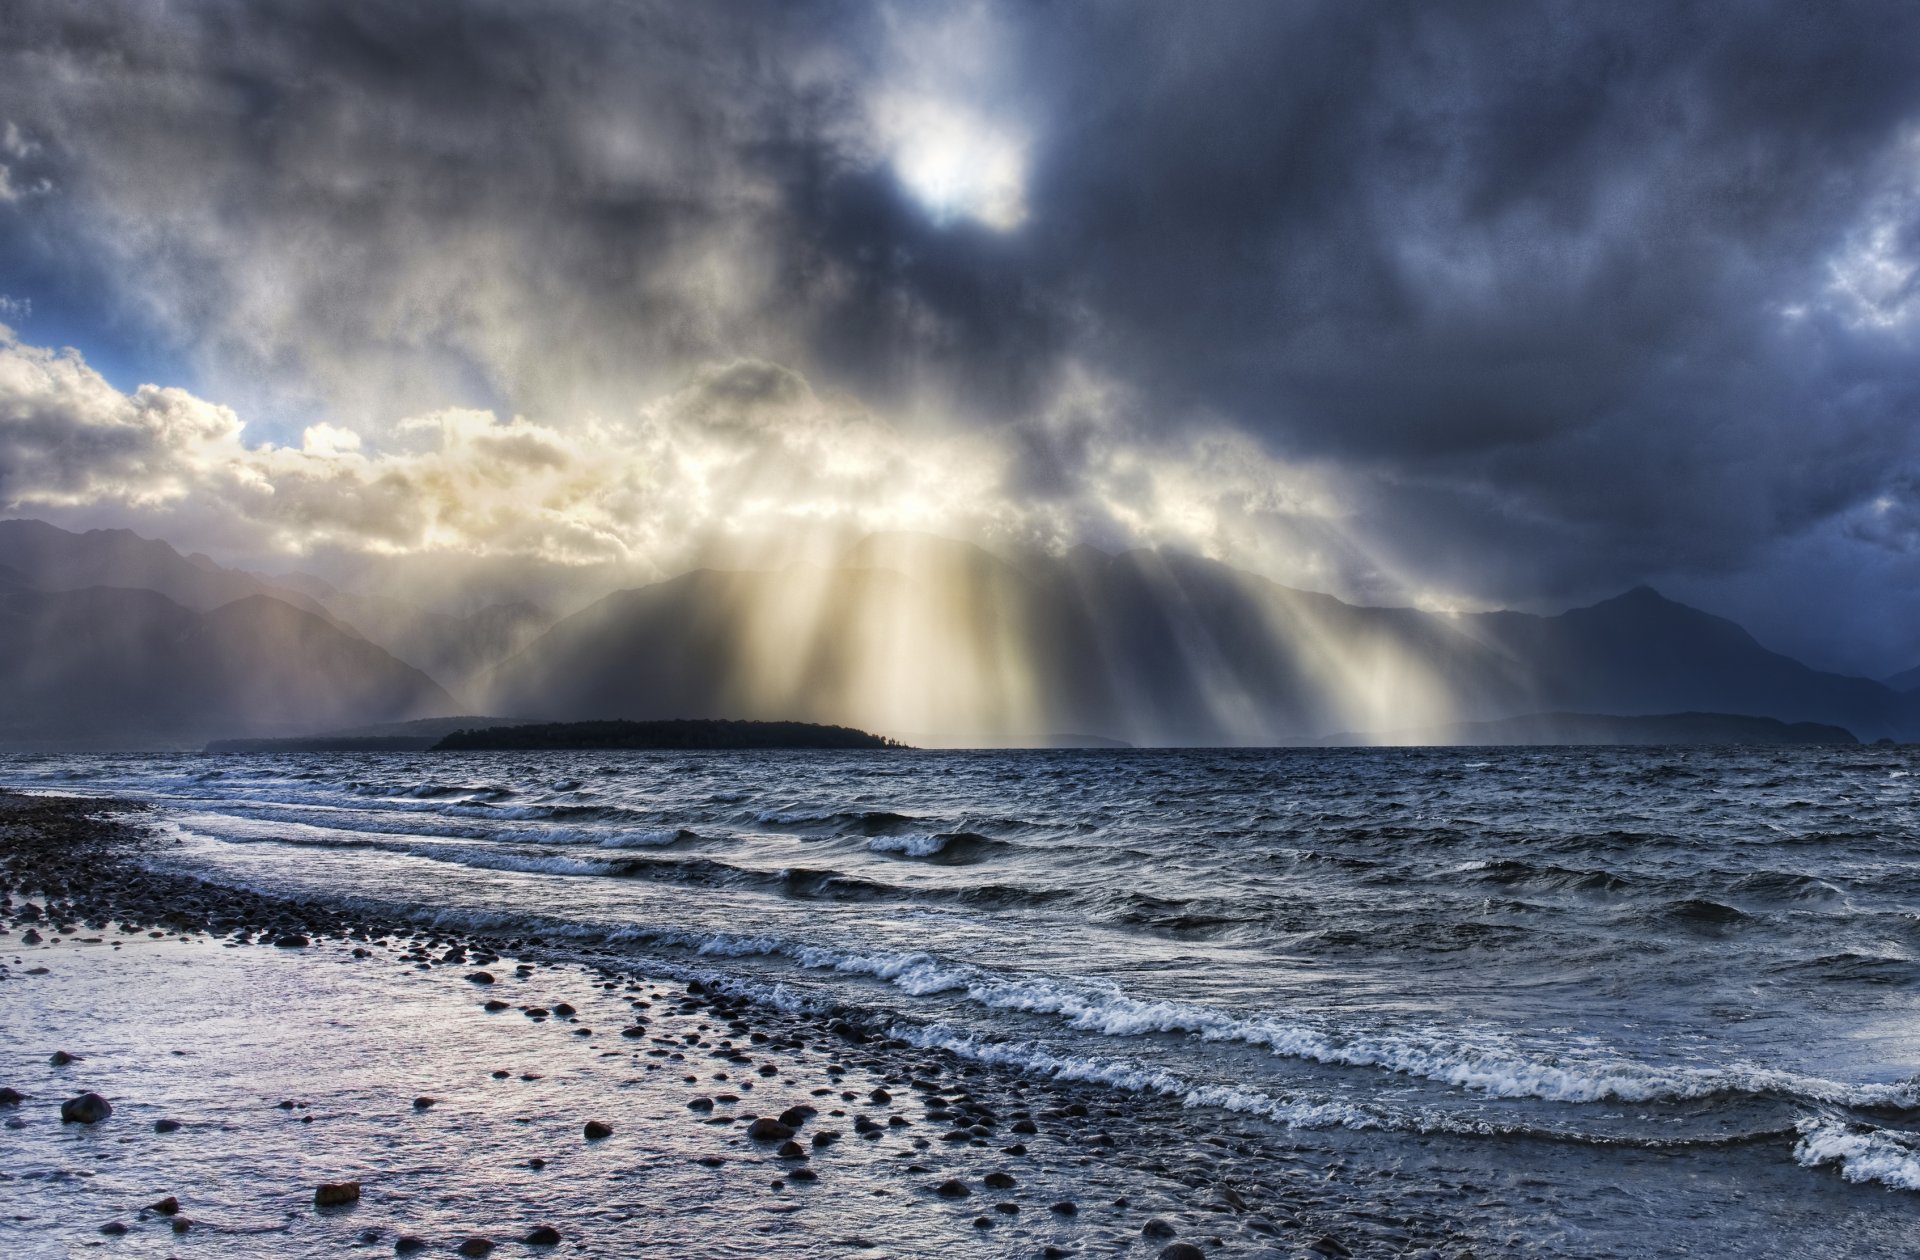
(1491, 304)
(744, 455)
(15, 181)
(68, 438)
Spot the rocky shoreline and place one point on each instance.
(999, 1162)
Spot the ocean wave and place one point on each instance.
(869, 822)
(1851, 965)
(563, 812)
(1860, 1152)
(1513, 872)
(504, 849)
(947, 847)
(659, 838)
(1699, 912)
(1034, 1059)
(507, 860)
(1485, 1068)
(1783, 886)
(438, 791)
(1298, 1112)
(1178, 916)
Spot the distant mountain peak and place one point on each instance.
(1639, 596)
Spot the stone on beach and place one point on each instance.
(475, 1247)
(767, 1129)
(952, 1189)
(598, 1129)
(89, 1108)
(542, 1236)
(1182, 1251)
(165, 1126)
(10, 1097)
(408, 1244)
(166, 1207)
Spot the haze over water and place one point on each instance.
(1569, 956)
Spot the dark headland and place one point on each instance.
(677, 733)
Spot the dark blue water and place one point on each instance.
(1601, 950)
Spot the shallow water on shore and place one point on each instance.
(290, 1071)
(1628, 959)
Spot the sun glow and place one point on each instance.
(955, 163)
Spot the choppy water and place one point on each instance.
(1604, 949)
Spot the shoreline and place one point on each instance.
(983, 1160)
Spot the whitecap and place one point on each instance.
(1861, 1153)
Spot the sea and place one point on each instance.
(1636, 1000)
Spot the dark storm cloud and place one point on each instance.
(1574, 295)
(1541, 251)
(436, 196)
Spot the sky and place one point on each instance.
(1468, 305)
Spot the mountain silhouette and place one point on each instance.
(931, 640)
(118, 640)
(48, 558)
(201, 652)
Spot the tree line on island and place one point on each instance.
(678, 733)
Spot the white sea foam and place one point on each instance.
(791, 817)
(1481, 1066)
(913, 846)
(1119, 1074)
(1860, 1153)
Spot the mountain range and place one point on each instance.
(111, 640)
(937, 641)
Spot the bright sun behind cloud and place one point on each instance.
(954, 162)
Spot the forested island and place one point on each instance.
(678, 733)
